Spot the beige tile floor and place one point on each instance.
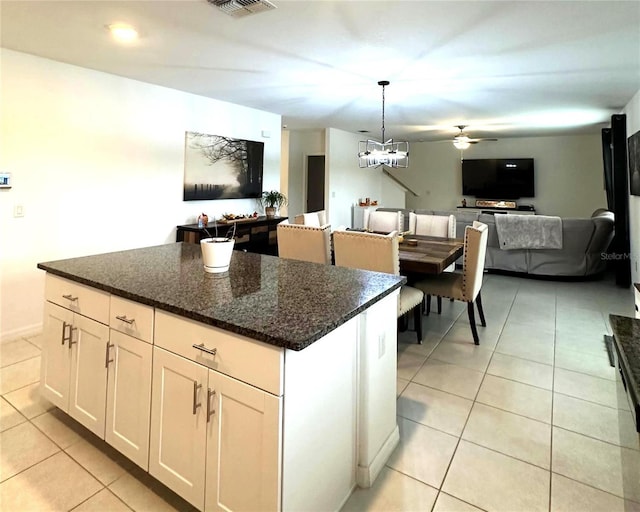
(527, 421)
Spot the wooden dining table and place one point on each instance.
(421, 254)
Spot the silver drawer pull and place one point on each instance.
(211, 351)
(124, 319)
(211, 393)
(196, 404)
(71, 331)
(106, 357)
(70, 297)
(64, 331)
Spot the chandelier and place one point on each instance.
(372, 153)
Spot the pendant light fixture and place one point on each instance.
(372, 153)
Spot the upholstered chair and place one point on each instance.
(466, 285)
(383, 222)
(306, 243)
(369, 251)
(433, 225)
(315, 219)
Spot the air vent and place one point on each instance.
(239, 8)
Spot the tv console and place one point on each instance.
(520, 210)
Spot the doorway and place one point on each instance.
(315, 183)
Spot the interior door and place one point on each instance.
(315, 183)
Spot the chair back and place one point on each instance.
(367, 251)
(475, 249)
(383, 222)
(315, 219)
(432, 225)
(305, 243)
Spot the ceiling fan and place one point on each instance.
(463, 141)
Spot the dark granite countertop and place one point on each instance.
(282, 302)
(626, 335)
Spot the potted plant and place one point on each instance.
(272, 200)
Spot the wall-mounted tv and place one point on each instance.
(504, 178)
(219, 167)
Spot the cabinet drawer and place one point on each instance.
(132, 318)
(253, 362)
(77, 297)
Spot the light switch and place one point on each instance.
(18, 210)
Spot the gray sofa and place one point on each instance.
(584, 241)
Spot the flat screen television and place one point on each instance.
(504, 178)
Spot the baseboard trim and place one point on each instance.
(367, 475)
(22, 332)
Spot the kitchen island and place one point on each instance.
(270, 387)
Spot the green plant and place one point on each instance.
(273, 199)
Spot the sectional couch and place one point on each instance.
(584, 245)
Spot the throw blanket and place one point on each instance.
(529, 231)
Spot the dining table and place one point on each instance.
(420, 254)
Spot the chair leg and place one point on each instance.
(403, 323)
(472, 322)
(480, 311)
(439, 304)
(427, 300)
(417, 320)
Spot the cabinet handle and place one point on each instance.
(106, 357)
(70, 297)
(196, 404)
(71, 331)
(64, 331)
(125, 319)
(211, 351)
(210, 410)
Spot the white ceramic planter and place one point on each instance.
(216, 254)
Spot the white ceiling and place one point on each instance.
(505, 68)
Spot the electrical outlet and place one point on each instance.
(18, 210)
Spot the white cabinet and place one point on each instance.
(243, 447)
(129, 397)
(73, 372)
(178, 425)
(206, 423)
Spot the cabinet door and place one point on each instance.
(178, 425)
(129, 397)
(243, 447)
(88, 383)
(56, 356)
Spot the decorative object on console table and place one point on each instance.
(258, 234)
(271, 201)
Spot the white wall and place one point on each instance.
(632, 110)
(348, 183)
(568, 173)
(97, 163)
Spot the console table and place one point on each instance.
(254, 235)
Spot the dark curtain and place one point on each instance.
(607, 162)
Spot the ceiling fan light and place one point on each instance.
(462, 142)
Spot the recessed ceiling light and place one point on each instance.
(123, 32)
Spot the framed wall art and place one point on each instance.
(219, 167)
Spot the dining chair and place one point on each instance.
(316, 219)
(433, 225)
(305, 243)
(379, 253)
(466, 285)
(383, 222)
